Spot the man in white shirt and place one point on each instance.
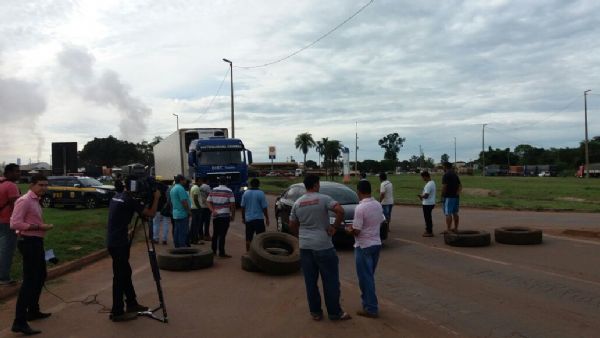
(386, 197)
(427, 198)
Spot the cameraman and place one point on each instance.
(121, 209)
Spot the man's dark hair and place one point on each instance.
(447, 165)
(310, 181)
(382, 176)
(363, 175)
(38, 177)
(254, 183)
(425, 174)
(11, 167)
(364, 187)
(119, 187)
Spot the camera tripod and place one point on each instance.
(155, 271)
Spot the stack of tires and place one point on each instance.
(185, 259)
(504, 235)
(274, 253)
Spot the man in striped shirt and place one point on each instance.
(221, 203)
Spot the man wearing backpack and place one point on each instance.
(9, 193)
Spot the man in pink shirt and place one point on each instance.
(9, 192)
(27, 221)
(368, 216)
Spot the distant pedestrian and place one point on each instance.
(254, 211)
(222, 206)
(386, 197)
(9, 193)
(309, 219)
(204, 210)
(163, 217)
(195, 232)
(363, 176)
(181, 212)
(31, 229)
(427, 198)
(368, 216)
(451, 189)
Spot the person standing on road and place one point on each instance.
(27, 221)
(451, 189)
(204, 210)
(368, 216)
(9, 193)
(181, 212)
(254, 211)
(386, 197)
(427, 198)
(309, 219)
(121, 209)
(221, 203)
(195, 230)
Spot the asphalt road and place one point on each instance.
(426, 289)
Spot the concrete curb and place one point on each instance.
(61, 270)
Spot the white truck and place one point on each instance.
(171, 154)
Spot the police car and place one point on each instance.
(71, 191)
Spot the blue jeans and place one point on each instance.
(387, 211)
(366, 263)
(326, 263)
(8, 243)
(156, 222)
(180, 236)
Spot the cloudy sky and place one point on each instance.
(428, 70)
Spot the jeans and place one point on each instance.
(324, 263)
(427, 209)
(220, 227)
(122, 284)
(387, 211)
(34, 276)
(205, 221)
(156, 222)
(255, 226)
(195, 230)
(181, 228)
(366, 263)
(8, 243)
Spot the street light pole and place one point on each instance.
(232, 119)
(177, 116)
(454, 150)
(483, 149)
(587, 154)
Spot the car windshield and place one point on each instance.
(90, 182)
(220, 157)
(341, 195)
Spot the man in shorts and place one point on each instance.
(451, 188)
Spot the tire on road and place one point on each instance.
(184, 259)
(467, 238)
(518, 235)
(275, 262)
(248, 264)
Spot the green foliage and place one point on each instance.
(304, 142)
(445, 158)
(391, 143)
(113, 152)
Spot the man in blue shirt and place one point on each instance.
(181, 212)
(254, 211)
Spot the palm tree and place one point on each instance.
(320, 148)
(304, 142)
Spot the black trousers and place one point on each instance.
(205, 221)
(34, 276)
(427, 209)
(220, 227)
(196, 228)
(122, 284)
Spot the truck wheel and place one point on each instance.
(185, 259)
(248, 264)
(265, 252)
(518, 235)
(47, 202)
(468, 238)
(90, 202)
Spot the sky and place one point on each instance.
(430, 71)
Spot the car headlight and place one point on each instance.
(244, 188)
(101, 191)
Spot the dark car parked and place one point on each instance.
(71, 191)
(347, 198)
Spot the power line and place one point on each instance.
(549, 116)
(213, 98)
(310, 44)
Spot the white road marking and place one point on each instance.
(573, 239)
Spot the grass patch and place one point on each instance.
(519, 193)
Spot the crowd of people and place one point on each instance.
(190, 210)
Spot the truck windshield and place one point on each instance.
(220, 157)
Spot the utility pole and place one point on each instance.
(231, 90)
(356, 151)
(483, 149)
(454, 150)
(421, 156)
(587, 154)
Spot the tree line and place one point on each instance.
(112, 152)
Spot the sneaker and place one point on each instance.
(427, 234)
(122, 317)
(135, 308)
(24, 329)
(8, 282)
